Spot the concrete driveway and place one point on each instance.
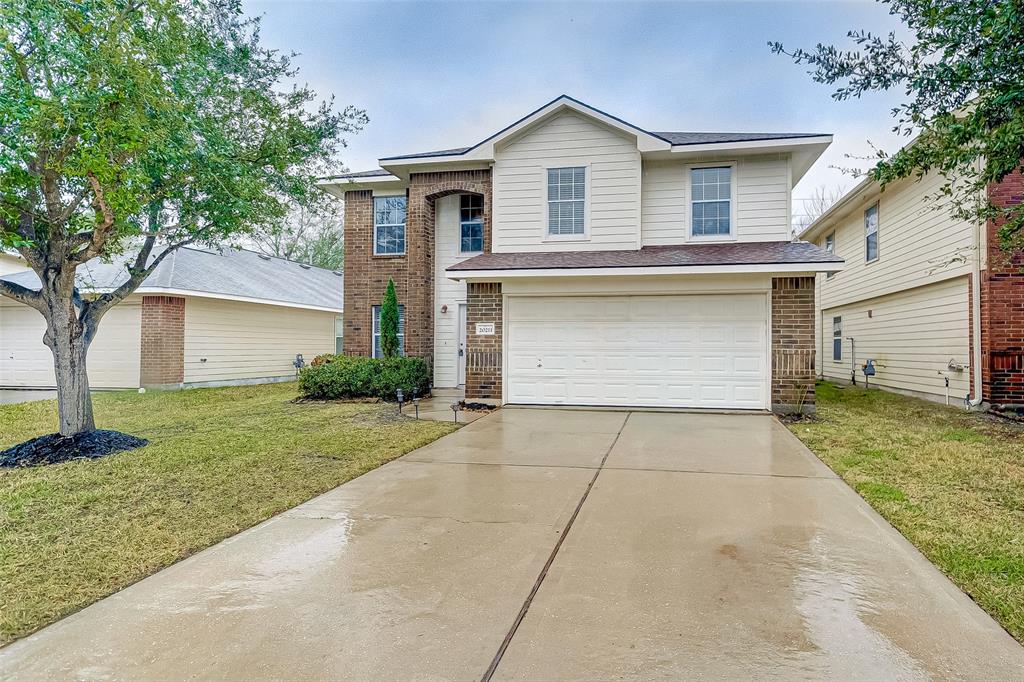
(551, 544)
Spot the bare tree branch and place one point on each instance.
(22, 294)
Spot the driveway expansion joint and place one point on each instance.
(489, 673)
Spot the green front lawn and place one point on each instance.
(220, 460)
(952, 482)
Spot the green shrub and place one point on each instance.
(347, 376)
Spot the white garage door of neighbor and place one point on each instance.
(673, 351)
(114, 356)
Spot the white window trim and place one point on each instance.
(878, 228)
(405, 225)
(733, 185)
(483, 225)
(374, 313)
(585, 237)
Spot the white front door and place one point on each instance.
(672, 351)
(462, 344)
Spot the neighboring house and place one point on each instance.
(202, 318)
(573, 258)
(907, 299)
(11, 263)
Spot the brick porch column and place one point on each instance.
(793, 345)
(483, 353)
(163, 341)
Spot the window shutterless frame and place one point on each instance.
(566, 192)
(837, 339)
(375, 314)
(871, 233)
(711, 193)
(389, 216)
(471, 223)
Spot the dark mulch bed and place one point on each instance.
(54, 448)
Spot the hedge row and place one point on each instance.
(331, 377)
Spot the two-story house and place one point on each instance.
(573, 258)
(926, 296)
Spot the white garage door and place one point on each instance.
(674, 351)
(114, 357)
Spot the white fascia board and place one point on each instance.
(164, 291)
(788, 268)
(484, 151)
(338, 186)
(753, 145)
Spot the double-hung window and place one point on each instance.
(830, 246)
(567, 189)
(377, 353)
(339, 334)
(711, 201)
(837, 339)
(471, 223)
(389, 226)
(871, 233)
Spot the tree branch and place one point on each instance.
(22, 294)
(96, 308)
(98, 235)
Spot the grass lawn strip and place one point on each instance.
(219, 461)
(952, 482)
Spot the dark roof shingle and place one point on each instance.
(692, 255)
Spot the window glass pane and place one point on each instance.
(566, 200)
(376, 331)
(389, 215)
(711, 201)
(872, 246)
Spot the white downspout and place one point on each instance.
(976, 317)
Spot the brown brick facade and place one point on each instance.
(366, 275)
(1002, 308)
(793, 344)
(483, 353)
(163, 341)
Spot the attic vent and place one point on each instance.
(263, 256)
(304, 266)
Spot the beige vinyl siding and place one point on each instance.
(613, 183)
(250, 341)
(114, 355)
(447, 292)
(762, 199)
(916, 245)
(912, 336)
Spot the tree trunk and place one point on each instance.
(68, 340)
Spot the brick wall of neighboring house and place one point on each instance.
(163, 341)
(483, 353)
(1002, 308)
(793, 344)
(366, 275)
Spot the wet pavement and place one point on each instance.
(551, 544)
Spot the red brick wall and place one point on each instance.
(793, 344)
(483, 353)
(366, 275)
(1002, 308)
(163, 341)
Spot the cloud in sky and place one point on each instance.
(438, 75)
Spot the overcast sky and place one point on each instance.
(438, 75)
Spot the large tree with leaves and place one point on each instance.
(133, 127)
(963, 75)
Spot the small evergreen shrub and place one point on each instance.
(348, 376)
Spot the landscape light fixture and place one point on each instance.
(401, 399)
(455, 410)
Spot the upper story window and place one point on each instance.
(471, 223)
(567, 189)
(711, 201)
(389, 225)
(830, 246)
(871, 233)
